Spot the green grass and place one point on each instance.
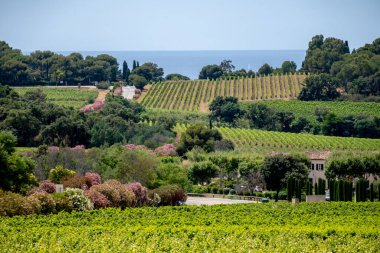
(69, 97)
(272, 227)
(306, 109)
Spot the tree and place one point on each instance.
(321, 54)
(202, 172)
(227, 66)
(176, 77)
(138, 81)
(278, 168)
(225, 109)
(319, 87)
(134, 65)
(288, 67)
(265, 69)
(126, 71)
(211, 72)
(198, 135)
(16, 171)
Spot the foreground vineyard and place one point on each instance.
(254, 139)
(70, 97)
(195, 95)
(307, 227)
(306, 109)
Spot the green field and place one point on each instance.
(261, 140)
(306, 109)
(280, 227)
(194, 95)
(69, 97)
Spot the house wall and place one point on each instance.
(317, 170)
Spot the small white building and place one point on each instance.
(317, 168)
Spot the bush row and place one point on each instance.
(112, 193)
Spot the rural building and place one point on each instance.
(317, 168)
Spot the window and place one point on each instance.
(321, 166)
(312, 166)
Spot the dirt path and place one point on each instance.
(214, 201)
(203, 107)
(102, 95)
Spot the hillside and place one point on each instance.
(254, 140)
(195, 95)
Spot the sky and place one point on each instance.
(113, 25)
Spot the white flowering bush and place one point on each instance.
(78, 199)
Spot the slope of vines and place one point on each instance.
(191, 95)
(257, 140)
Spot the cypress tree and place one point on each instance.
(315, 188)
(137, 64)
(126, 71)
(134, 65)
(378, 191)
(371, 193)
(298, 189)
(289, 187)
(332, 191)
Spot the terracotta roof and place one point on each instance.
(318, 155)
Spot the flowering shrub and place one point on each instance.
(118, 90)
(138, 147)
(60, 174)
(116, 193)
(62, 202)
(80, 182)
(166, 150)
(53, 149)
(141, 194)
(78, 147)
(47, 186)
(78, 199)
(99, 200)
(12, 204)
(97, 105)
(42, 202)
(170, 195)
(93, 178)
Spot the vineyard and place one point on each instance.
(195, 95)
(69, 97)
(306, 109)
(307, 227)
(258, 140)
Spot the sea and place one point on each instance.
(190, 63)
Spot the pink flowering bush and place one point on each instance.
(78, 147)
(116, 193)
(93, 178)
(166, 150)
(141, 193)
(47, 186)
(97, 105)
(99, 200)
(138, 147)
(118, 91)
(79, 182)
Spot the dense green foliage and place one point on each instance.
(327, 227)
(46, 67)
(319, 87)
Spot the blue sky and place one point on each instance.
(184, 25)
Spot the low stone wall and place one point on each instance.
(315, 198)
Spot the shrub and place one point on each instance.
(12, 204)
(103, 85)
(47, 186)
(80, 182)
(166, 150)
(117, 193)
(93, 178)
(141, 194)
(268, 195)
(214, 190)
(78, 199)
(259, 194)
(99, 200)
(232, 192)
(62, 203)
(60, 174)
(226, 191)
(199, 189)
(42, 202)
(170, 195)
